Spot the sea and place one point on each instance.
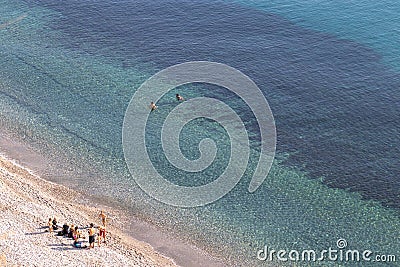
(330, 71)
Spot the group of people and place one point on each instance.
(154, 107)
(72, 231)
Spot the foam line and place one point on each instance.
(13, 21)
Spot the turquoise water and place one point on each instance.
(68, 71)
(373, 23)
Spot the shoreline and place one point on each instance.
(167, 249)
(27, 201)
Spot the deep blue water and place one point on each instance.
(69, 69)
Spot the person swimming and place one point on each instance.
(179, 97)
(153, 106)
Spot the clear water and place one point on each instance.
(68, 70)
(372, 23)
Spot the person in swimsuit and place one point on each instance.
(153, 106)
(71, 231)
(75, 233)
(179, 97)
(102, 234)
(103, 218)
(50, 225)
(92, 233)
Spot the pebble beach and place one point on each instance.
(26, 203)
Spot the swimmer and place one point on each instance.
(153, 106)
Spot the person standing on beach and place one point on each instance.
(92, 233)
(102, 234)
(103, 218)
(75, 234)
(55, 223)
